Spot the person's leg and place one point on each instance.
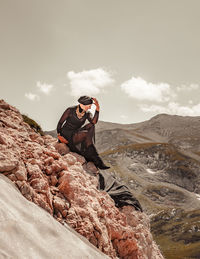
(91, 154)
(84, 135)
(79, 137)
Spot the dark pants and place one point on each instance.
(85, 136)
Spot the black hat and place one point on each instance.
(85, 100)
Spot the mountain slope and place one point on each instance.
(178, 233)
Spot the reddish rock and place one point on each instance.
(60, 205)
(3, 139)
(41, 201)
(4, 105)
(63, 164)
(21, 173)
(7, 162)
(91, 168)
(66, 187)
(27, 191)
(54, 180)
(78, 157)
(12, 177)
(77, 167)
(141, 225)
(54, 190)
(62, 148)
(37, 162)
(52, 153)
(49, 161)
(54, 167)
(35, 137)
(39, 184)
(70, 159)
(64, 213)
(33, 169)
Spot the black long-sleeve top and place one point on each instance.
(70, 121)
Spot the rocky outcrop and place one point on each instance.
(66, 187)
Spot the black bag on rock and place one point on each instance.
(120, 193)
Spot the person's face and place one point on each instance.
(86, 107)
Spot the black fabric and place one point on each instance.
(120, 193)
(70, 121)
(86, 100)
(80, 109)
(70, 125)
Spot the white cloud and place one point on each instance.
(45, 88)
(190, 87)
(89, 82)
(140, 89)
(32, 97)
(194, 86)
(173, 108)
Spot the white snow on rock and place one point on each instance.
(150, 171)
(198, 196)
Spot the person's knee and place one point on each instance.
(92, 127)
(89, 126)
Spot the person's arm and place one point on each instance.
(60, 123)
(94, 119)
(62, 119)
(96, 103)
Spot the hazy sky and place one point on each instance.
(137, 57)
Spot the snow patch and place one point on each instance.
(198, 196)
(133, 164)
(150, 171)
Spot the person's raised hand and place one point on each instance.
(96, 103)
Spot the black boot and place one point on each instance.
(92, 155)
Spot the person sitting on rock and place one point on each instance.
(71, 132)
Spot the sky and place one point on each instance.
(139, 58)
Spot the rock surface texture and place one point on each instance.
(64, 185)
